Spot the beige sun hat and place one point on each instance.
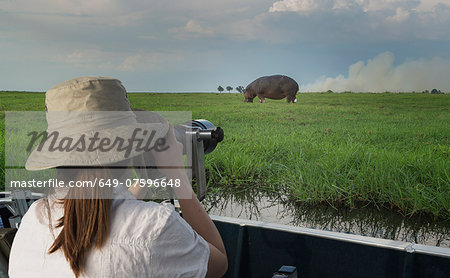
(90, 123)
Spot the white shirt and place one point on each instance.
(146, 239)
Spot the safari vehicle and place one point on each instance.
(259, 249)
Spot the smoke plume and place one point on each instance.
(381, 75)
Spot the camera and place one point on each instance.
(202, 130)
(203, 137)
(198, 137)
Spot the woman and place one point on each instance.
(105, 231)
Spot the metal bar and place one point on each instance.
(199, 167)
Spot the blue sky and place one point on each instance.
(361, 45)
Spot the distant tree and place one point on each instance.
(229, 88)
(435, 91)
(240, 89)
(220, 89)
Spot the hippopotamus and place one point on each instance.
(272, 87)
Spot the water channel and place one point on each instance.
(365, 220)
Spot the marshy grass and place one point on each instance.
(389, 150)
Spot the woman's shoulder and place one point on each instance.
(40, 211)
(138, 222)
(140, 209)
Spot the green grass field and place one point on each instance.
(388, 150)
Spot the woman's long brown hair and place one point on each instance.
(86, 219)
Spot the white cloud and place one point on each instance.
(108, 60)
(380, 75)
(402, 8)
(342, 4)
(306, 6)
(63, 7)
(228, 19)
(303, 6)
(87, 59)
(430, 5)
(105, 12)
(380, 5)
(438, 13)
(400, 15)
(131, 62)
(192, 29)
(367, 19)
